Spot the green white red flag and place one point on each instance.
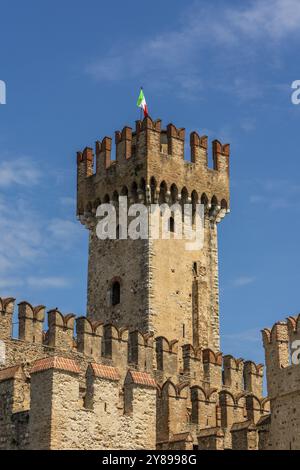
(141, 103)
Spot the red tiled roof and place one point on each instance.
(105, 372)
(55, 362)
(9, 372)
(142, 378)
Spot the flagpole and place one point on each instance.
(141, 111)
(141, 103)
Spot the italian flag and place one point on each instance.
(141, 103)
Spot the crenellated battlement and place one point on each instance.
(7, 306)
(123, 348)
(294, 328)
(233, 372)
(282, 359)
(145, 162)
(31, 320)
(276, 343)
(87, 370)
(282, 355)
(253, 378)
(143, 369)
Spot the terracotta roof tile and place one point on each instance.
(55, 362)
(10, 372)
(142, 378)
(105, 372)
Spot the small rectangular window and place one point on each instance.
(195, 270)
(115, 293)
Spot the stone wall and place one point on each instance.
(59, 419)
(144, 372)
(99, 386)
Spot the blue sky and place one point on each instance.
(224, 68)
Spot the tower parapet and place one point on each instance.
(31, 321)
(233, 372)
(6, 312)
(150, 154)
(61, 328)
(276, 344)
(294, 328)
(89, 337)
(253, 378)
(282, 353)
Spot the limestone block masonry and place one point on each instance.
(165, 289)
(143, 369)
(102, 387)
(283, 380)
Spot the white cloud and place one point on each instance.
(232, 35)
(21, 171)
(273, 18)
(27, 238)
(243, 281)
(35, 282)
(48, 282)
(20, 236)
(5, 263)
(62, 230)
(252, 336)
(7, 283)
(276, 194)
(26, 235)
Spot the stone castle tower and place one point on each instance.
(143, 369)
(156, 286)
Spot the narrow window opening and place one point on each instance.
(172, 225)
(195, 270)
(115, 293)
